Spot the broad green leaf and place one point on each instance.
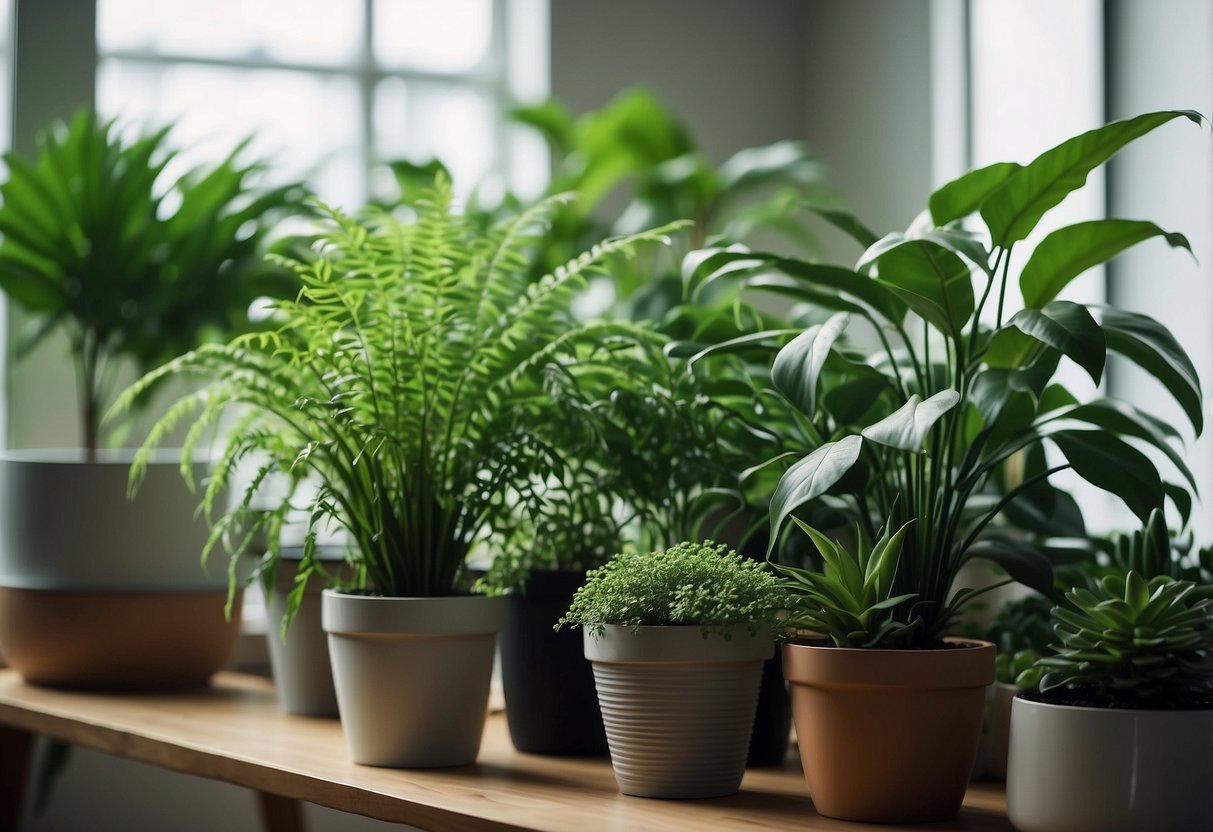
(963, 196)
(1115, 466)
(809, 478)
(797, 367)
(783, 161)
(1126, 420)
(1070, 251)
(932, 280)
(1013, 209)
(1022, 561)
(1151, 346)
(849, 401)
(1069, 328)
(703, 266)
(906, 429)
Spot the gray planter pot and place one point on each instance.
(1075, 769)
(99, 591)
(412, 675)
(303, 676)
(678, 708)
(995, 733)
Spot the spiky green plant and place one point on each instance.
(99, 244)
(407, 377)
(703, 584)
(852, 601)
(1134, 643)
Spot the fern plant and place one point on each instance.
(407, 376)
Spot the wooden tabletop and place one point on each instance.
(235, 732)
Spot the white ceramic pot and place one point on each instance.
(412, 675)
(101, 591)
(678, 708)
(1075, 769)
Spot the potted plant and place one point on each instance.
(677, 639)
(944, 424)
(1117, 738)
(101, 247)
(407, 378)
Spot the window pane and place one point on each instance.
(305, 124)
(326, 32)
(419, 121)
(451, 36)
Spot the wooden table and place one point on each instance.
(235, 732)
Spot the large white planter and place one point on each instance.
(100, 591)
(412, 675)
(1075, 769)
(678, 708)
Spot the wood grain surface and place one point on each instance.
(235, 732)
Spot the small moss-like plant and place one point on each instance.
(703, 584)
(851, 601)
(1134, 643)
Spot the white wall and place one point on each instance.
(1160, 56)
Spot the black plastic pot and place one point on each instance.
(773, 719)
(551, 704)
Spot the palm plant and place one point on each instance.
(944, 424)
(407, 375)
(94, 246)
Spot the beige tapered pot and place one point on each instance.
(1075, 769)
(412, 675)
(888, 736)
(678, 707)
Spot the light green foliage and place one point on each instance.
(1022, 631)
(948, 416)
(407, 377)
(851, 601)
(1132, 642)
(97, 243)
(691, 583)
(1020, 668)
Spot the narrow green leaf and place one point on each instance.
(932, 280)
(1151, 346)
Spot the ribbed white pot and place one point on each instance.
(678, 708)
(412, 675)
(1075, 769)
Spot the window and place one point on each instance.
(330, 88)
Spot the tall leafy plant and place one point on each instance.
(947, 421)
(407, 376)
(97, 243)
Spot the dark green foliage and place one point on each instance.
(96, 243)
(692, 583)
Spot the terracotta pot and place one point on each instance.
(678, 707)
(1075, 769)
(98, 590)
(412, 675)
(888, 736)
(550, 703)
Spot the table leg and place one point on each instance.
(280, 814)
(16, 751)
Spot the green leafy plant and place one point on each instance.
(851, 601)
(407, 377)
(97, 244)
(1134, 643)
(945, 422)
(1022, 631)
(701, 584)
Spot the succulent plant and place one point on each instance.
(851, 601)
(1134, 643)
(691, 583)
